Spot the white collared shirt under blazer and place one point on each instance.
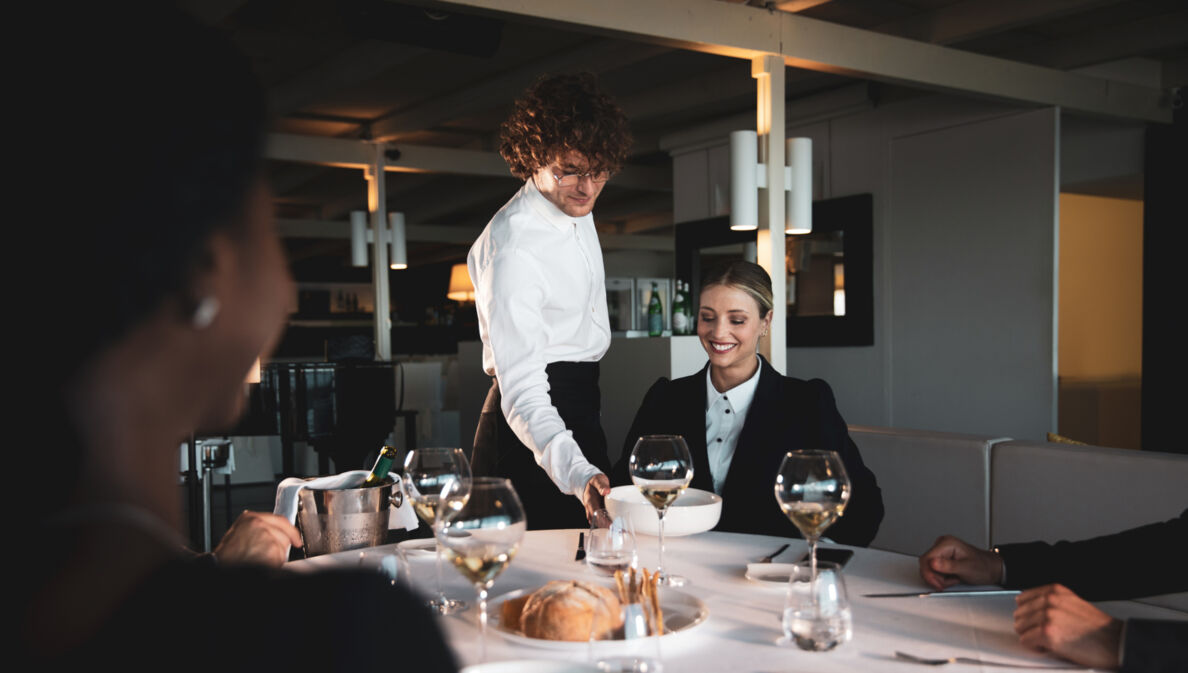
(540, 291)
(725, 414)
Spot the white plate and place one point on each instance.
(682, 613)
(530, 666)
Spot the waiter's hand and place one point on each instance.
(258, 538)
(1053, 619)
(952, 561)
(594, 494)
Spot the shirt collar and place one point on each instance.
(545, 208)
(740, 396)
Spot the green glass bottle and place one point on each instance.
(680, 310)
(383, 465)
(655, 313)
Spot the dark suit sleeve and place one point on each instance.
(1144, 561)
(649, 419)
(1155, 646)
(860, 522)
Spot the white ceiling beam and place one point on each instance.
(741, 31)
(346, 153)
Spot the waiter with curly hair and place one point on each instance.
(540, 291)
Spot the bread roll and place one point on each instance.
(570, 610)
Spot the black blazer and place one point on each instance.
(786, 414)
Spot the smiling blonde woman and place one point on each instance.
(739, 416)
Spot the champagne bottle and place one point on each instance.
(680, 310)
(655, 313)
(383, 465)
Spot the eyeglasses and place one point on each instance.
(571, 179)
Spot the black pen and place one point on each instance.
(581, 552)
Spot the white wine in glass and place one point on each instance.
(812, 489)
(661, 468)
(481, 536)
(428, 472)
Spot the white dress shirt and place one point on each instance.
(540, 291)
(725, 414)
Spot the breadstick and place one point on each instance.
(621, 585)
(654, 586)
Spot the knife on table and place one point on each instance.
(581, 552)
(947, 594)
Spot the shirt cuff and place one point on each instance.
(563, 461)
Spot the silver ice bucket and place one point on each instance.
(348, 518)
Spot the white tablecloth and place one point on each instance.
(744, 623)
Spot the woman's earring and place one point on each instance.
(205, 312)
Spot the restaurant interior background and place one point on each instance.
(1015, 243)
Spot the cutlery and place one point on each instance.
(977, 662)
(946, 594)
(581, 550)
(769, 557)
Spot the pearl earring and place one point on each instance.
(205, 312)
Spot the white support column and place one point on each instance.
(768, 71)
(377, 207)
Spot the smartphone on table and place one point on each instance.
(832, 555)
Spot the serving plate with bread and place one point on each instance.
(567, 614)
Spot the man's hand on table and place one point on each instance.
(594, 496)
(1053, 619)
(952, 561)
(258, 538)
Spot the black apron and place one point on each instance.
(573, 389)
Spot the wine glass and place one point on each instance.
(481, 536)
(661, 467)
(812, 489)
(427, 472)
(817, 611)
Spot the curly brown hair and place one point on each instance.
(563, 113)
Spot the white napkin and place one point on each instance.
(777, 573)
(287, 491)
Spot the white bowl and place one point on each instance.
(695, 511)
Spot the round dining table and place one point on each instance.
(743, 629)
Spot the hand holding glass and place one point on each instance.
(481, 536)
(610, 549)
(427, 472)
(662, 467)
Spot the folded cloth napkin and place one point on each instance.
(770, 572)
(287, 491)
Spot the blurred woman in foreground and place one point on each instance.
(739, 416)
(173, 281)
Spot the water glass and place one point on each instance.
(610, 549)
(817, 611)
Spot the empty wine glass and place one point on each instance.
(817, 611)
(427, 472)
(481, 536)
(812, 489)
(661, 467)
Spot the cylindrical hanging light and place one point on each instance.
(358, 238)
(798, 209)
(744, 189)
(460, 289)
(398, 258)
